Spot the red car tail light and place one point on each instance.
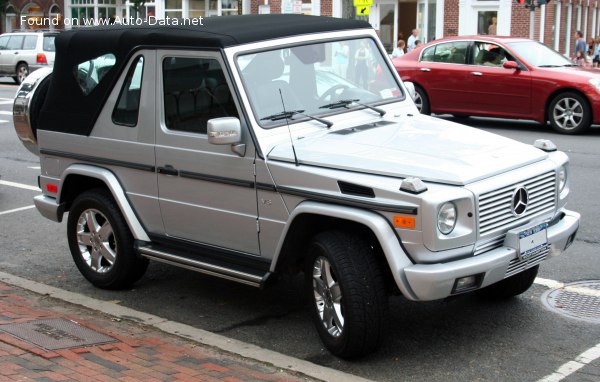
(41, 58)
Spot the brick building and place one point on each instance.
(554, 24)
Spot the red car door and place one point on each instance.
(495, 90)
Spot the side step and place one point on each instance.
(204, 264)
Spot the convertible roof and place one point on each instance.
(66, 109)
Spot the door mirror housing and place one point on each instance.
(510, 65)
(224, 131)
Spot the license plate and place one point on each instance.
(532, 240)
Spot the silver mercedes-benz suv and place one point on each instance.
(245, 147)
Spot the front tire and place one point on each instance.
(101, 243)
(21, 73)
(569, 113)
(347, 292)
(512, 286)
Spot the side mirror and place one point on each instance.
(510, 65)
(410, 88)
(224, 131)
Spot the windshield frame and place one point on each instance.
(529, 62)
(297, 42)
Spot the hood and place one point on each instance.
(579, 71)
(425, 147)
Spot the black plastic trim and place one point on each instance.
(97, 160)
(216, 179)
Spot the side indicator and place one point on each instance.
(404, 221)
(53, 188)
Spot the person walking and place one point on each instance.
(580, 48)
(410, 44)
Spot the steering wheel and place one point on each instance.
(333, 92)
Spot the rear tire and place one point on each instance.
(422, 101)
(21, 73)
(101, 243)
(347, 292)
(512, 286)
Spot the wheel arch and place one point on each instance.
(79, 178)
(557, 92)
(309, 218)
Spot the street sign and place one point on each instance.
(362, 3)
(363, 10)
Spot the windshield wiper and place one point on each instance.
(348, 102)
(289, 114)
(551, 66)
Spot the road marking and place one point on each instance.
(571, 367)
(575, 289)
(6, 102)
(19, 185)
(17, 210)
(4, 112)
(34, 167)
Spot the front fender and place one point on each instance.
(396, 258)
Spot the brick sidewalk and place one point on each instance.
(138, 354)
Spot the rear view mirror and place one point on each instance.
(510, 65)
(224, 131)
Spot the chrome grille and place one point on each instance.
(517, 265)
(489, 245)
(495, 209)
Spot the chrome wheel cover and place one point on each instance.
(22, 73)
(418, 101)
(568, 113)
(328, 296)
(96, 241)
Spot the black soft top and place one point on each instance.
(66, 109)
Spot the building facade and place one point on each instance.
(554, 23)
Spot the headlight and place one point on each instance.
(562, 178)
(595, 82)
(447, 218)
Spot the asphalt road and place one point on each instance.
(461, 339)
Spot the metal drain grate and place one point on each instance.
(54, 334)
(580, 300)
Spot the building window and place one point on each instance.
(82, 10)
(11, 19)
(229, 7)
(173, 8)
(34, 16)
(487, 22)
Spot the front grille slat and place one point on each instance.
(495, 207)
(517, 265)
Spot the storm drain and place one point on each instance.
(54, 334)
(579, 300)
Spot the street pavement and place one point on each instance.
(459, 339)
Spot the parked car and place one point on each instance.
(503, 77)
(237, 150)
(23, 52)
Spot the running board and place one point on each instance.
(244, 275)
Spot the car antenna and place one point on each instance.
(288, 127)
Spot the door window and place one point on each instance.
(128, 105)
(195, 90)
(4, 42)
(15, 42)
(454, 52)
(487, 54)
(30, 42)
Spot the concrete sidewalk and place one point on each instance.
(119, 350)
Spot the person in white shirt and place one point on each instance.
(411, 40)
(399, 50)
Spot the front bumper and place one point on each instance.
(436, 281)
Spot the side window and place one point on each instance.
(4, 42)
(90, 73)
(428, 54)
(30, 42)
(49, 43)
(15, 42)
(128, 105)
(450, 52)
(195, 90)
(487, 54)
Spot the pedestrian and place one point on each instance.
(410, 44)
(399, 50)
(596, 55)
(580, 47)
(361, 67)
(417, 43)
(341, 55)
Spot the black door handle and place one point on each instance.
(168, 170)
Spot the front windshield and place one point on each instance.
(537, 54)
(315, 79)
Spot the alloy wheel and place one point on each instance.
(328, 297)
(568, 113)
(22, 73)
(418, 101)
(96, 241)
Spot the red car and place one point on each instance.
(502, 77)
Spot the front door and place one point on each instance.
(206, 191)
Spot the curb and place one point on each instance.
(204, 337)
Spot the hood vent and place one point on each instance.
(359, 128)
(356, 189)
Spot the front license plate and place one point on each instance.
(532, 240)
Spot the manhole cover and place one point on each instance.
(580, 300)
(56, 334)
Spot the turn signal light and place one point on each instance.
(404, 221)
(53, 188)
(41, 58)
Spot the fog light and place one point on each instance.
(466, 283)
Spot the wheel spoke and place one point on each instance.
(105, 231)
(107, 253)
(318, 286)
(328, 275)
(328, 314)
(336, 293)
(96, 260)
(90, 218)
(337, 317)
(84, 238)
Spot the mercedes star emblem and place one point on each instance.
(520, 199)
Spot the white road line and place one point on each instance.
(19, 185)
(548, 283)
(17, 210)
(6, 102)
(3, 121)
(569, 288)
(5, 112)
(571, 367)
(34, 167)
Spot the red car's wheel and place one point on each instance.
(569, 113)
(422, 101)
